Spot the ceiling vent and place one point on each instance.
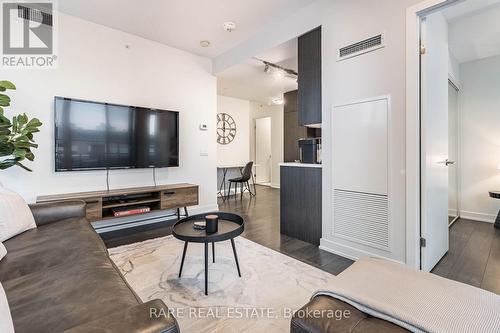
(359, 48)
(34, 15)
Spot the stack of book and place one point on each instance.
(126, 211)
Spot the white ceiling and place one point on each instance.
(184, 23)
(474, 29)
(249, 81)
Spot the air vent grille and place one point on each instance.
(361, 47)
(34, 15)
(362, 218)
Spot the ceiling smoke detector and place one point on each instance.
(204, 43)
(229, 26)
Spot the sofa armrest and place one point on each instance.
(45, 213)
(150, 317)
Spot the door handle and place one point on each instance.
(447, 162)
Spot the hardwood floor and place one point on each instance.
(262, 216)
(473, 258)
(262, 225)
(474, 255)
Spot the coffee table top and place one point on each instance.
(495, 194)
(230, 226)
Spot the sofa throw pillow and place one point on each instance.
(6, 325)
(15, 215)
(3, 251)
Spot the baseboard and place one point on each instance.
(452, 212)
(350, 252)
(275, 185)
(203, 209)
(482, 217)
(233, 191)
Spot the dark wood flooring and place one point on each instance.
(474, 255)
(262, 225)
(473, 258)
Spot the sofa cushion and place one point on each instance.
(53, 244)
(15, 215)
(135, 319)
(5, 317)
(67, 295)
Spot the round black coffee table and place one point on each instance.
(230, 226)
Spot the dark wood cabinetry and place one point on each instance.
(300, 196)
(309, 97)
(292, 131)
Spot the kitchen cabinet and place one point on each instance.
(292, 131)
(300, 201)
(309, 82)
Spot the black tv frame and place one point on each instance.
(110, 168)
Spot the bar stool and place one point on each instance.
(243, 180)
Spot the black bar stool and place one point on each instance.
(243, 180)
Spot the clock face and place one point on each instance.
(226, 128)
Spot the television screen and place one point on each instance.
(95, 136)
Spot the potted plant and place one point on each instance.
(16, 136)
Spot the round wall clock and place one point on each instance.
(226, 128)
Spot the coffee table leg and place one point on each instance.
(213, 251)
(183, 257)
(235, 257)
(206, 268)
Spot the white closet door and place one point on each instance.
(453, 130)
(263, 156)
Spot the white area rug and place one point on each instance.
(262, 300)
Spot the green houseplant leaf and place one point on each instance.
(7, 85)
(16, 136)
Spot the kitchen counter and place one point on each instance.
(300, 165)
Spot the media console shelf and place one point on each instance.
(100, 204)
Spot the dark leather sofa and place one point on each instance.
(306, 320)
(59, 278)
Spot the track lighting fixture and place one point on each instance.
(280, 71)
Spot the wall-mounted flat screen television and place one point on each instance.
(97, 136)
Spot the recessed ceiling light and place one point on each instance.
(229, 26)
(279, 74)
(204, 43)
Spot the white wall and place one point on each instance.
(453, 69)
(95, 65)
(238, 151)
(257, 110)
(480, 139)
(374, 74)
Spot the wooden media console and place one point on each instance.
(101, 204)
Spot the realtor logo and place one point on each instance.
(28, 34)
